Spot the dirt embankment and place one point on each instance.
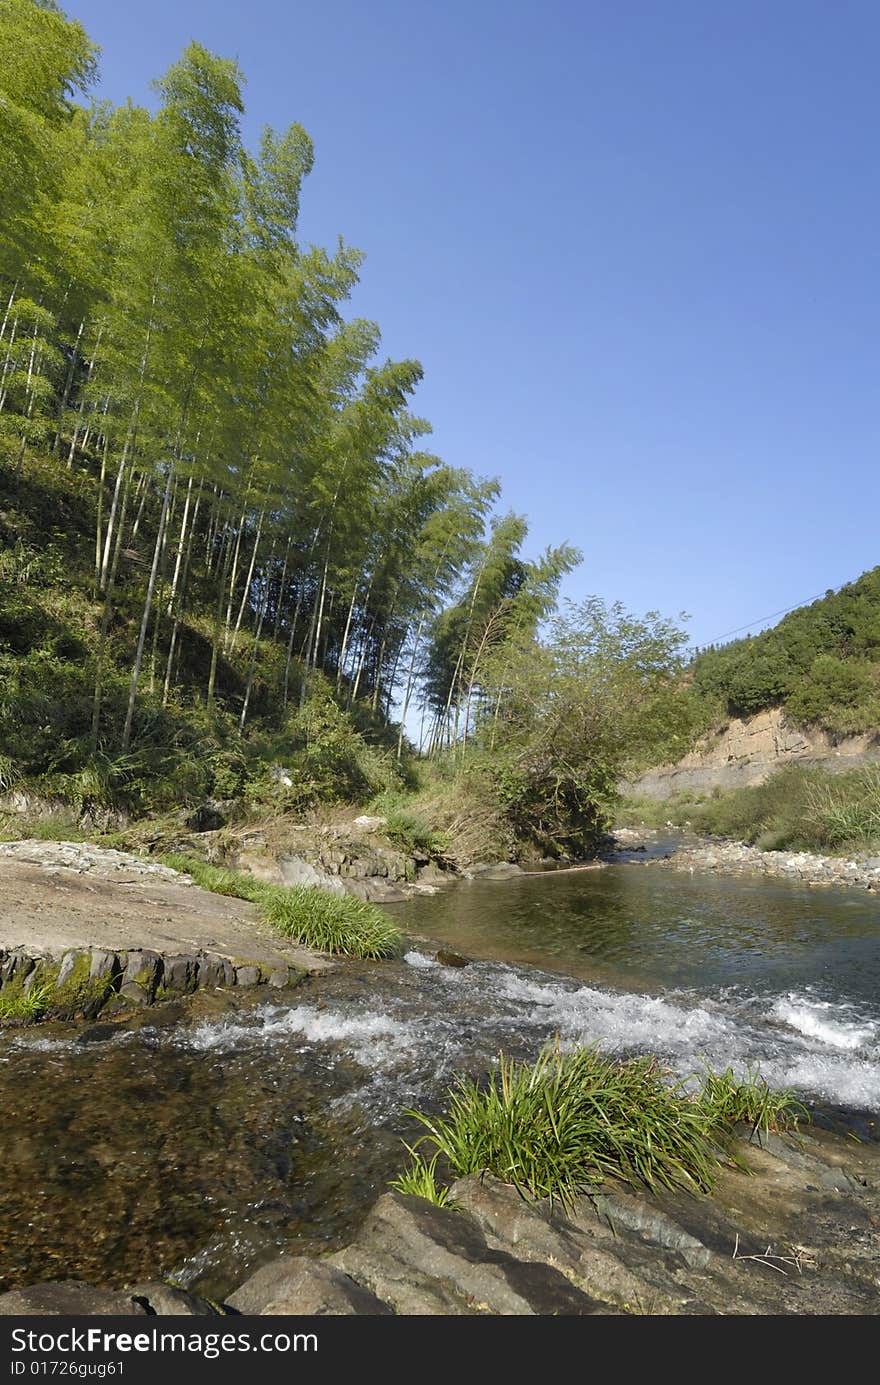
(747, 752)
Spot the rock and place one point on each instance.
(181, 974)
(71, 963)
(215, 972)
(210, 816)
(248, 975)
(430, 1260)
(369, 824)
(375, 891)
(294, 1286)
(295, 871)
(654, 1225)
(260, 865)
(104, 964)
(98, 1033)
(69, 1298)
(447, 958)
(501, 870)
(608, 1268)
(166, 1300)
(143, 973)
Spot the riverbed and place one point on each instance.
(195, 1147)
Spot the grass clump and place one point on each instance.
(420, 1180)
(557, 1127)
(318, 918)
(729, 1100)
(26, 1006)
(796, 809)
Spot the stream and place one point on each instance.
(193, 1146)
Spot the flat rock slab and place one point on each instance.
(52, 909)
(69, 1298)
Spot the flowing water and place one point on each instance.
(195, 1149)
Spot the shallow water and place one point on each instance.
(195, 1150)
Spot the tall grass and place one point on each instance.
(329, 922)
(795, 809)
(729, 1100)
(560, 1126)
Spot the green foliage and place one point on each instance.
(557, 1127)
(563, 718)
(25, 1006)
(821, 663)
(794, 809)
(420, 1180)
(318, 918)
(411, 831)
(729, 1101)
(327, 760)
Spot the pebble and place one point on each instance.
(735, 858)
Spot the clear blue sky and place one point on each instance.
(634, 244)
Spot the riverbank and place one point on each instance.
(87, 930)
(737, 858)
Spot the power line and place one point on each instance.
(759, 620)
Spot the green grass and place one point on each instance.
(728, 1101)
(30, 1005)
(420, 1180)
(796, 809)
(558, 1127)
(328, 922)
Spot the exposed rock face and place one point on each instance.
(294, 1285)
(747, 752)
(85, 929)
(430, 1260)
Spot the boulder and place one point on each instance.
(295, 1286)
(429, 1260)
(447, 958)
(166, 1300)
(295, 871)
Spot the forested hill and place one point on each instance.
(216, 510)
(821, 663)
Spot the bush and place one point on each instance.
(796, 809)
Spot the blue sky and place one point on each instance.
(634, 245)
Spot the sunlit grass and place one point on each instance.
(557, 1128)
(729, 1100)
(318, 918)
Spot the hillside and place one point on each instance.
(820, 664)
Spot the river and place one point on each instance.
(194, 1149)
